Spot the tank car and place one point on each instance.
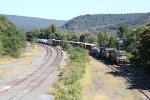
(95, 51)
(105, 52)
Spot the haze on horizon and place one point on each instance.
(67, 9)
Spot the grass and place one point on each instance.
(99, 84)
(84, 79)
(8, 60)
(69, 84)
(100, 97)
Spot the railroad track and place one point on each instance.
(129, 74)
(39, 77)
(135, 76)
(21, 77)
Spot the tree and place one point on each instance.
(142, 54)
(113, 43)
(103, 38)
(88, 38)
(83, 38)
(100, 39)
(122, 31)
(1, 45)
(12, 41)
(53, 28)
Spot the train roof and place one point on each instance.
(89, 44)
(109, 49)
(51, 39)
(76, 42)
(119, 52)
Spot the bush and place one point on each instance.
(12, 41)
(69, 83)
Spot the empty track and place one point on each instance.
(24, 84)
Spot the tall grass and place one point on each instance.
(69, 87)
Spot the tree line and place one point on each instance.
(135, 41)
(97, 22)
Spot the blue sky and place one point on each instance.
(67, 9)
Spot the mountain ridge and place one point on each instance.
(27, 23)
(98, 22)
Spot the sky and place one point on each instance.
(68, 9)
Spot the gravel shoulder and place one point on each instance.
(32, 77)
(100, 84)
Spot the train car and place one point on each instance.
(51, 42)
(117, 56)
(57, 42)
(29, 39)
(54, 42)
(88, 46)
(77, 43)
(84, 45)
(67, 42)
(105, 52)
(95, 51)
(44, 41)
(40, 40)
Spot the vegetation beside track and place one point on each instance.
(101, 83)
(31, 51)
(12, 41)
(69, 85)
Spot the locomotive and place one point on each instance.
(117, 56)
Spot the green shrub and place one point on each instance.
(12, 41)
(69, 83)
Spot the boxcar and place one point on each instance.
(76, 43)
(51, 42)
(88, 46)
(57, 42)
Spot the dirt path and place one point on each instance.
(30, 79)
(100, 84)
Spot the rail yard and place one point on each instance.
(40, 75)
(33, 82)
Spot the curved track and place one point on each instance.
(23, 85)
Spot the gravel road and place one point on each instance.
(31, 78)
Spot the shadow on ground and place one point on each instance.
(136, 77)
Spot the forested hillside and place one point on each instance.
(27, 23)
(95, 23)
(12, 41)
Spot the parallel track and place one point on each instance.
(21, 77)
(38, 80)
(130, 73)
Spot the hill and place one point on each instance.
(95, 23)
(26, 23)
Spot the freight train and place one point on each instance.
(110, 54)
